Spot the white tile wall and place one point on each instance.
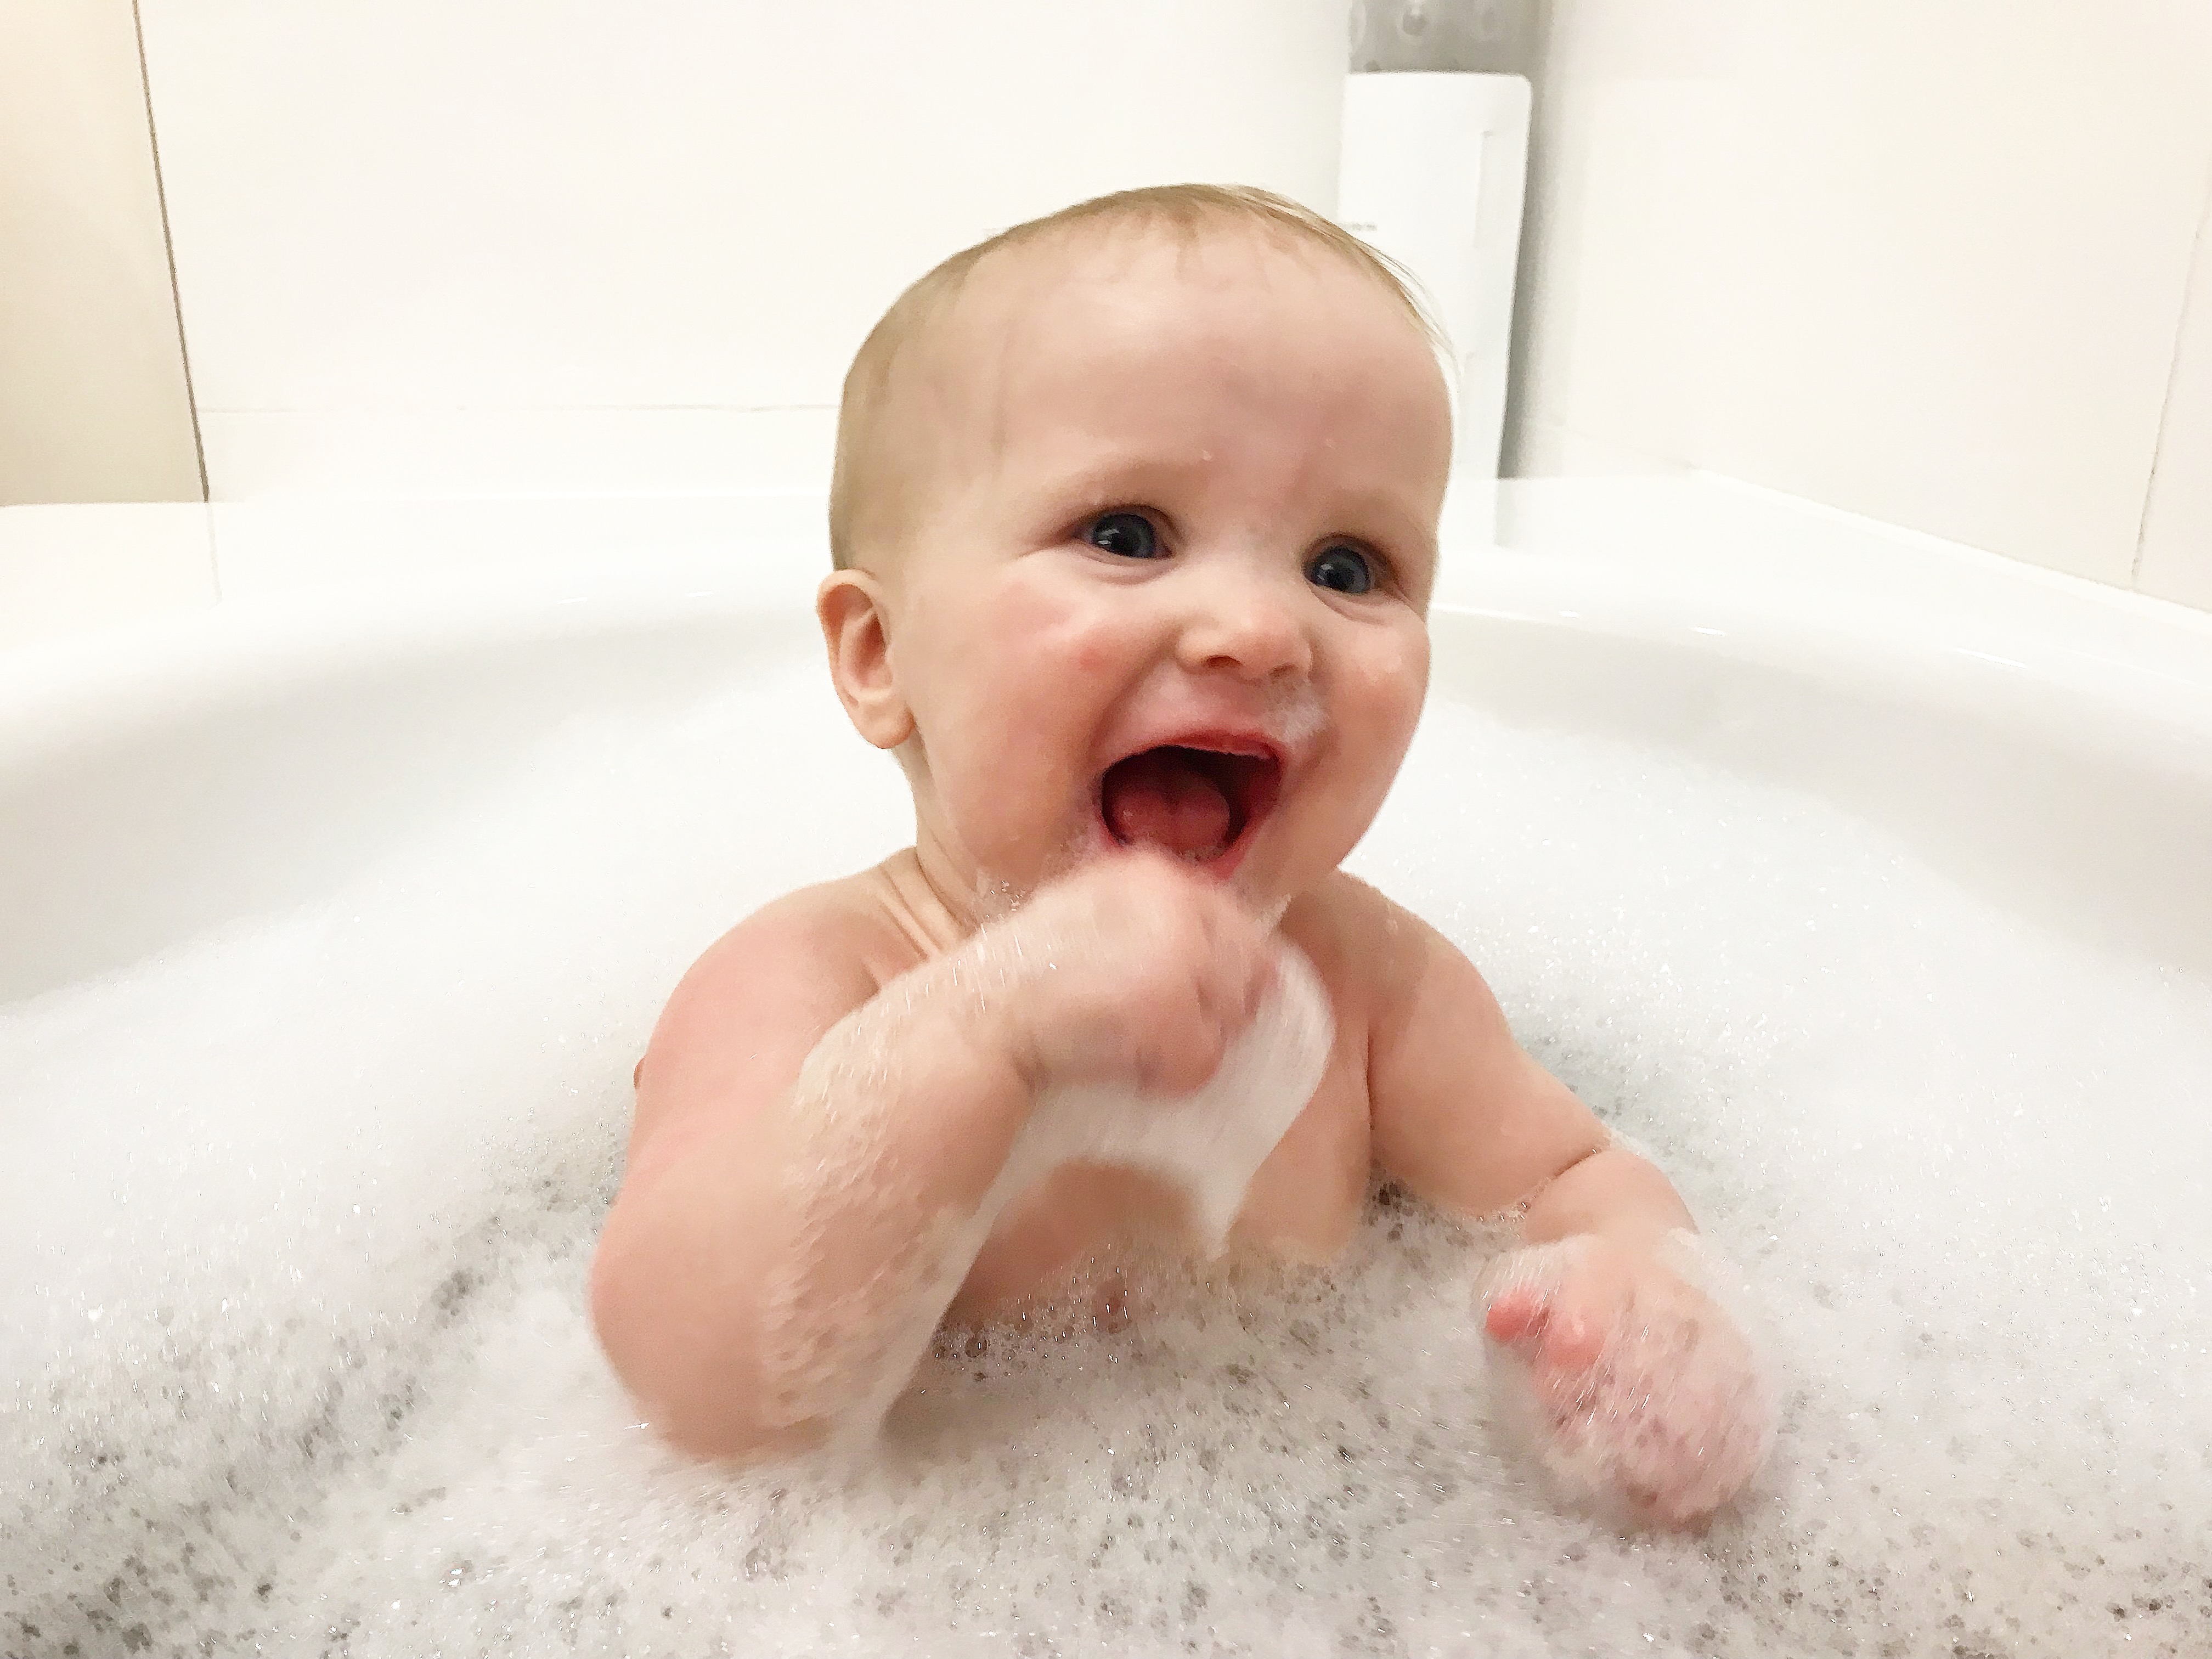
(484, 449)
(293, 544)
(1921, 262)
(93, 406)
(2176, 540)
(568, 244)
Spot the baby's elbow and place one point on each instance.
(717, 1425)
(690, 1380)
(623, 1326)
(719, 1435)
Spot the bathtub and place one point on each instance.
(2044, 740)
(352, 677)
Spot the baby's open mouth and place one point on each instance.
(1197, 804)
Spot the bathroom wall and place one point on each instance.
(92, 399)
(1923, 262)
(2176, 561)
(531, 245)
(1947, 266)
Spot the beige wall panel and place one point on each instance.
(94, 405)
(1921, 262)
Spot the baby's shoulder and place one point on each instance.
(837, 936)
(759, 999)
(1368, 950)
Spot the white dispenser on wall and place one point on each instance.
(1433, 168)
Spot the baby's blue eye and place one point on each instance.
(1344, 570)
(1129, 534)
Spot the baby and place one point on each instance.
(1134, 524)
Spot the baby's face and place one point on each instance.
(1176, 537)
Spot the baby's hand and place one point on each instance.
(1132, 971)
(1643, 1388)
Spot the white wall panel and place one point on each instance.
(2177, 540)
(1921, 262)
(492, 228)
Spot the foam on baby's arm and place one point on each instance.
(1675, 1412)
(1625, 1346)
(1211, 1142)
(1665, 1403)
(845, 1371)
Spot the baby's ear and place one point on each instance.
(855, 628)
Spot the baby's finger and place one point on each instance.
(1211, 999)
(1553, 1327)
(1262, 974)
(1517, 1316)
(1517, 1291)
(1182, 1058)
(1572, 1338)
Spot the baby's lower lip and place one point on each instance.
(1225, 866)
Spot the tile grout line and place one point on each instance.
(2200, 249)
(169, 251)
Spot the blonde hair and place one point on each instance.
(1186, 212)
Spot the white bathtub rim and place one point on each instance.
(2150, 681)
(2142, 667)
(56, 692)
(1579, 644)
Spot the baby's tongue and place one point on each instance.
(1164, 799)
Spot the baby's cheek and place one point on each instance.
(1388, 687)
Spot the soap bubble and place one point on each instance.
(297, 1218)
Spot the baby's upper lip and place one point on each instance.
(1228, 734)
(1219, 739)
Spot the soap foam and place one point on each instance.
(298, 1217)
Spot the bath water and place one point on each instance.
(296, 1220)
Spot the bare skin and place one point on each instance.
(1183, 497)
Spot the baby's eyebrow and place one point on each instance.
(1119, 478)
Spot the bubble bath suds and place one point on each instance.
(297, 1220)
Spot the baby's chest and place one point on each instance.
(1307, 1197)
(1301, 1204)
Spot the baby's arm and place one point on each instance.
(768, 1070)
(1648, 1389)
(1465, 1118)
(812, 1153)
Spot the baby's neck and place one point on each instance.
(936, 922)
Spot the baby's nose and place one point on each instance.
(1248, 630)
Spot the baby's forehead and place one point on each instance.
(1109, 347)
(1135, 307)
(1039, 283)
